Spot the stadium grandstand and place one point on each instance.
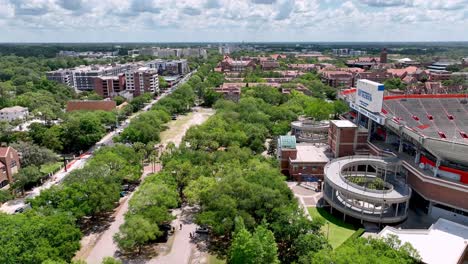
(428, 133)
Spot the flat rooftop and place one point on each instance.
(343, 123)
(444, 242)
(308, 153)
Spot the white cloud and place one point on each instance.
(209, 20)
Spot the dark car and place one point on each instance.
(19, 210)
(202, 230)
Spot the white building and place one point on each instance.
(444, 242)
(13, 113)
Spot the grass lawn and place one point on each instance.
(339, 230)
(212, 259)
(50, 167)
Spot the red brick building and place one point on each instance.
(91, 105)
(269, 65)
(230, 65)
(337, 79)
(109, 86)
(9, 165)
(301, 161)
(344, 138)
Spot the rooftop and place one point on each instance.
(13, 109)
(310, 154)
(444, 242)
(343, 123)
(4, 151)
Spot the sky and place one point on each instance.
(232, 20)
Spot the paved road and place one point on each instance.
(182, 246)
(79, 162)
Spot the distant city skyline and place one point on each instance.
(233, 21)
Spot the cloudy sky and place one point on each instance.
(232, 20)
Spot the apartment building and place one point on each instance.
(82, 78)
(142, 80)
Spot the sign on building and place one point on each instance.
(370, 95)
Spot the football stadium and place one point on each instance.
(426, 135)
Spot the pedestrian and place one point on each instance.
(180, 227)
(191, 235)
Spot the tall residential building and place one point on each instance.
(60, 76)
(82, 78)
(141, 81)
(173, 67)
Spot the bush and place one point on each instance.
(5, 195)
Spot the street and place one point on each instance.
(10, 206)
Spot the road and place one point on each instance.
(182, 246)
(77, 163)
(97, 246)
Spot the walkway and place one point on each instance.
(97, 246)
(306, 195)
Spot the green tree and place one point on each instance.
(135, 233)
(26, 177)
(361, 250)
(31, 238)
(259, 247)
(394, 84)
(119, 100)
(5, 195)
(32, 154)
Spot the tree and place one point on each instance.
(26, 177)
(163, 84)
(5, 195)
(394, 84)
(136, 232)
(32, 154)
(31, 238)
(339, 107)
(366, 250)
(259, 247)
(85, 192)
(81, 130)
(118, 100)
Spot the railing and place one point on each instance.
(356, 214)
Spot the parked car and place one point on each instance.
(202, 230)
(174, 117)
